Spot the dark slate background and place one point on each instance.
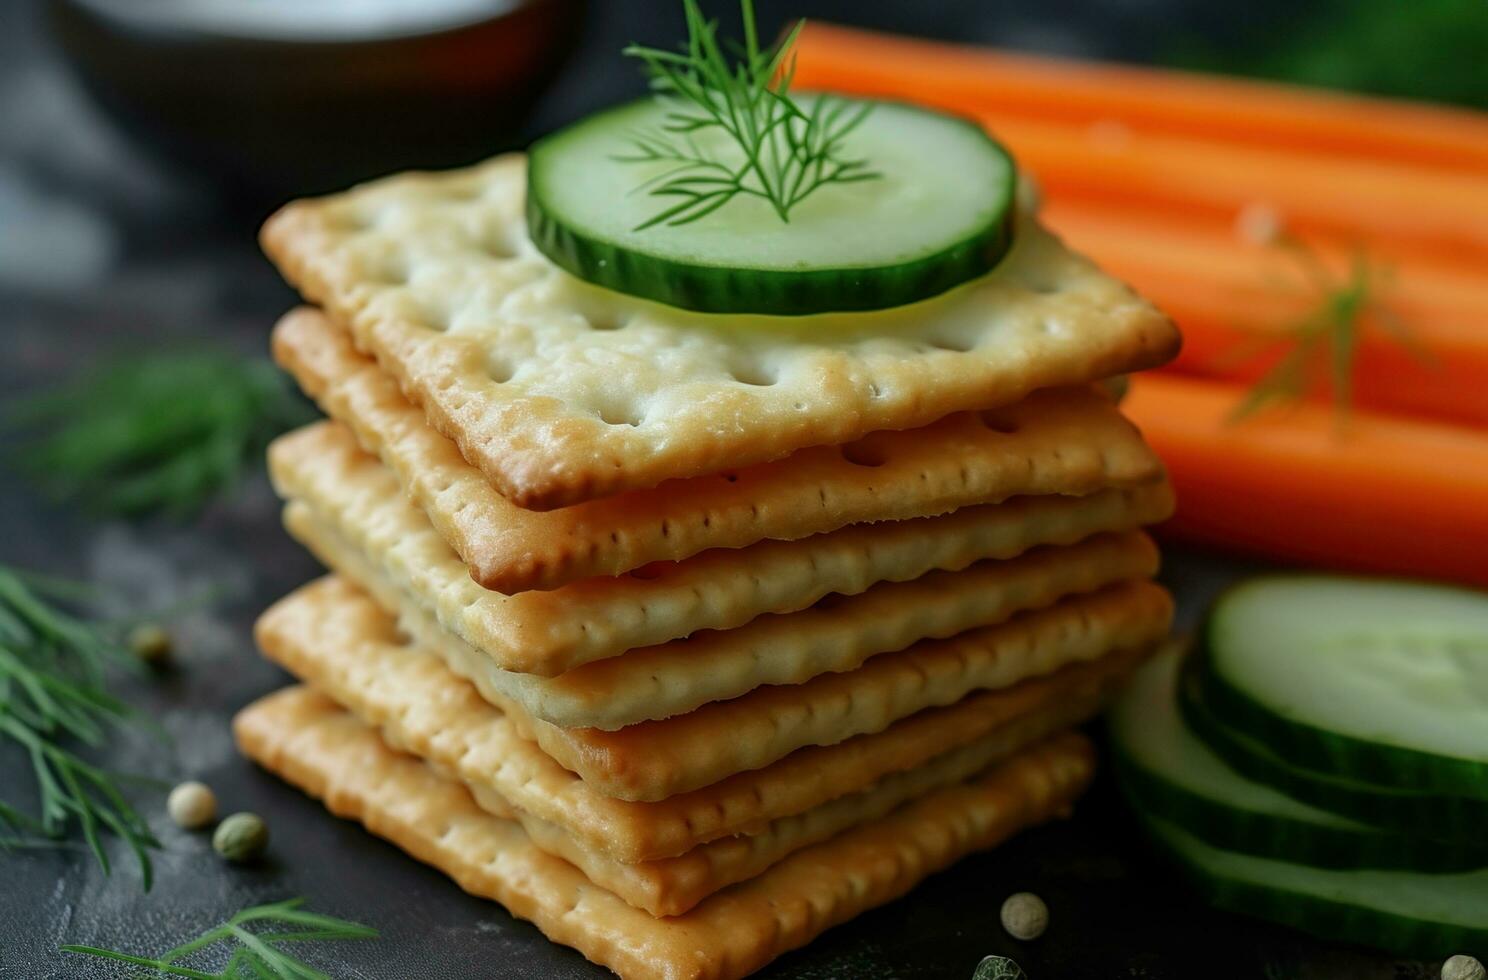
(100, 248)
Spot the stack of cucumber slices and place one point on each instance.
(1321, 759)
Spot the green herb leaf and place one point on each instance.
(734, 128)
(1326, 340)
(51, 692)
(255, 953)
(156, 433)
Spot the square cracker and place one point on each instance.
(334, 638)
(330, 755)
(836, 634)
(672, 886)
(654, 760)
(657, 759)
(1052, 442)
(323, 468)
(562, 392)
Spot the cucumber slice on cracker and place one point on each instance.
(937, 212)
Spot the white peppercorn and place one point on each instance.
(1462, 967)
(191, 805)
(1025, 916)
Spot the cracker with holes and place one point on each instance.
(654, 760)
(836, 634)
(329, 478)
(718, 545)
(331, 755)
(1048, 444)
(663, 856)
(559, 391)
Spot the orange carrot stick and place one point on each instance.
(1154, 100)
(1386, 495)
(1224, 292)
(1440, 212)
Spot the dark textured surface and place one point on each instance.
(99, 249)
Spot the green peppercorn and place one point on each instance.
(241, 837)
(151, 643)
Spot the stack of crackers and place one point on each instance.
(689, 636)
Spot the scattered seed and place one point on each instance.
(151, 643)
(241, 837)
(192, 805)
(1025, 916)
(1462, 967)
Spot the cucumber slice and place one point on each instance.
(1378, 681)
(1167, 772)
(1446, 818)
(940, 215)
(1427, 915)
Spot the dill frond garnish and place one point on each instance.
(736, 129)
(153, 433)
(256, 953)
(1324, 343)
(52, 692)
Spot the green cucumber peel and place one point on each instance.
(1377, 681)
(1166, 771)
(1423, 915)
(1451, 819)
(940, 212)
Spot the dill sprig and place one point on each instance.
(154, 433)
(1325, 341)
(51, 692)
(735, 129)
(255, 955)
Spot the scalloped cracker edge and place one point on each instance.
(330, 755)
(561, 392)
(1069, 443)
(547, 633)
(836, 634)
(336, 639)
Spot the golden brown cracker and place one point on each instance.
(562, 392)
(1054, 442)
(330, 755)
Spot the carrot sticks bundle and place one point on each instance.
(1389, 494)
(964, 79)
(1228, 294)
(1148, 170)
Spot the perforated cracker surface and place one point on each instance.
(460, 735)
(562, 392)
(547, 633)
(1069, 442)
(330, 755)
(333, 637)
(657, 759)
(712, 665)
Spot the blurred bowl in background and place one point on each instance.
(279, 98)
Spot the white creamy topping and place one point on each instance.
(309, 20)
